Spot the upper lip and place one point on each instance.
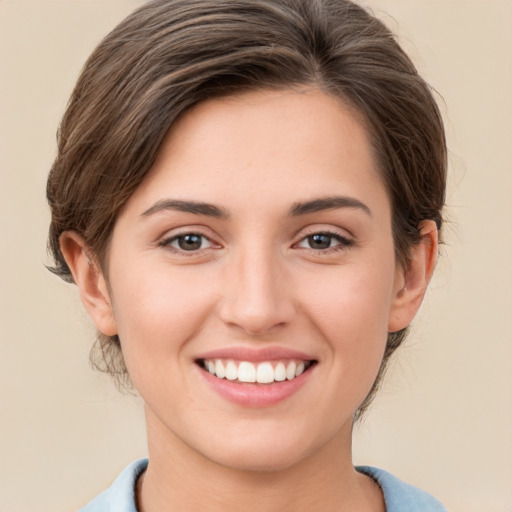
(256, 354)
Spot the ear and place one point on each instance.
(90, 281)
(411, 283)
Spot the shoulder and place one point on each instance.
(120, 496)
(399, 496)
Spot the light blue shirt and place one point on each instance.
(399, 496)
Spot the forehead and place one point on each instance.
(264, 144)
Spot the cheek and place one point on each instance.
(351, 310)
(358, 299)
(157, 311)
(347, 308)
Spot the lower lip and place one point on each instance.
(255, 395)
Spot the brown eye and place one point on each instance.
(320, 241)
(324, 241)
(188, 242)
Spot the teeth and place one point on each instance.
(262, 373)
(265, 373)
(219, 369)
(290, 370)
(280, 372)
(246, 372)
(231, 371)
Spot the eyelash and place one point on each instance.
(343, 243)
(167, 243)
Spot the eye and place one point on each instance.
(324, 241)
(188, 242)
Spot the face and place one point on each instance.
(252, 279)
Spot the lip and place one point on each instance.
(254, 395)
(256, 355)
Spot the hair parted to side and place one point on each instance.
(171, 54)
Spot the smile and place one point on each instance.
(258, 377)
(264, 372)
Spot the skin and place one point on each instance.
(255, 281)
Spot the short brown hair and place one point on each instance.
(171, 54)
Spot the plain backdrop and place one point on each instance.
(443, 421)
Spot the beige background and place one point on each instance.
(443, 420)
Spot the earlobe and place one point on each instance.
(411, 283)
(90, 281)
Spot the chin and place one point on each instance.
(259, 460)
(264, 451)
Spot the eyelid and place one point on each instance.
(172, 235)
(345, 241)
(334, 231)
(176, 238)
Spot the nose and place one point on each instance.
(256, 295)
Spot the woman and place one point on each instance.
(248, 195)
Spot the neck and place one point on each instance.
(180, 479)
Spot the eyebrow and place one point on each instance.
(297, 209)
(327, 203)
(195, 207)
